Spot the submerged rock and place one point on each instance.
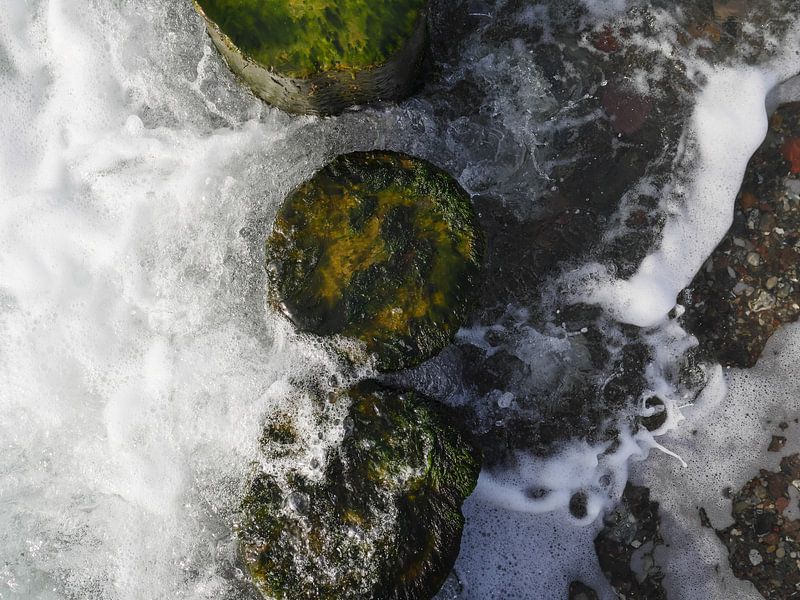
(320, 56)
(381, 247)
(384, 521)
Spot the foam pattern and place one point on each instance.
(724, 442)
(138, 362)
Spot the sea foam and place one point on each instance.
(138, 362)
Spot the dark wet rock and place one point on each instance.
(777, 443)
(580, 591)
(578, 505)
(764, 540)
(320, 56)
(607, 150)
(658, 417)
(630, 535)
(453, 588)
(608, 120)
(383, 522)
(380, 247)
(749, 286)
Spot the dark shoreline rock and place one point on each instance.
(634, 527)
(383, 522)
(764, 541)
(750, 285)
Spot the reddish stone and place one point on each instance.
(727, 9)
(776, 484)
(637, 220)
(605, 41)
(748, 201)
(627, 109)
(791, 152)
(788, 258)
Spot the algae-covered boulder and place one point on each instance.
(380, 247)
(320, 56)
(385, 521)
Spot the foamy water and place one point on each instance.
(137, 359)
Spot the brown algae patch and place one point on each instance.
(380, 247)
(385, 520)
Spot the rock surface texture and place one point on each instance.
(384, 519)
(764, 540)
(321, 56)
(380, 247)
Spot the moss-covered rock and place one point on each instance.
(320, 56)
(384, 522)
(380, 247)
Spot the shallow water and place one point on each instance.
(138, 360)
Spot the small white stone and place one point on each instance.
(134, 125)
(755, 557)
(505, 400)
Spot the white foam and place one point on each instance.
(727, 126)
(137, 360)
(523, 556)
(604, 9)
(724, 441)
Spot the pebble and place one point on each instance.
(754, 259)
(755, 557)
(772, 282)
(505, 400)
(777, 443)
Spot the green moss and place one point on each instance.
(299, 38)
(381, 247)
(385, 522)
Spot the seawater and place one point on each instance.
(137, 359)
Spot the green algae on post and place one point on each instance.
(384, 521)
(380, 247)
(320, 56)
